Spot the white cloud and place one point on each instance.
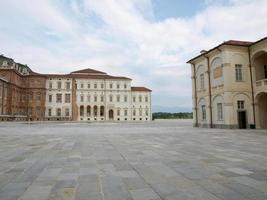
(121, 36)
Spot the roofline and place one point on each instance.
(222, 44)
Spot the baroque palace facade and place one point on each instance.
(230, 85)
(84, 95)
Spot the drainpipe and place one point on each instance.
(211, 120)
(195, 84)
(252, 89)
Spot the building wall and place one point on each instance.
(220, 66)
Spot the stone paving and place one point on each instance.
(133, 161)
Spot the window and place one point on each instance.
(67, 112)
(125, 112)
(118, 98)
(58, 112)
(49, 112)
(110, 98)
(146, 98)
(238, 72)
(146, 112)
(88, 98)
(134, 112)
(95, 98)
(140, 98)
(125, 86)
(118, 86)
(102, 85)
(203, 109)
(81, 98)
(240, 105)
(50, 85)
(67, 98)
(81, 85)
(95, 86)
(202, 81)
(110, 85)
(59, 98)
(134, 98)
(140, 111)
(220, 111)
(118, 112)
(88, 86)
(265, 71)
(102, 98)
(67, 85)
(50, 97)
(59, 85)
(125, 98)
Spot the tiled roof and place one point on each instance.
(88, 71)
(229, 42)
(140, 89)
(104, 76)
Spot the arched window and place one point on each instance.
(95, 110)
(102, 111)
(88, 111)
(81, 110)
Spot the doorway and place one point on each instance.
(110, 114)
(242, 119)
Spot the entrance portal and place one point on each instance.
(111, 114)
(262, 103)
(242, 119)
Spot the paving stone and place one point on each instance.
(144, 194)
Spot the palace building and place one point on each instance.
(84, 95)
(230, 85)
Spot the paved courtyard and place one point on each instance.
(148, 161)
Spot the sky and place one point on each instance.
(147, 40)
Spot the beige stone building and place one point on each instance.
(84, 95)
(230, 85)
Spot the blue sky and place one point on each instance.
(147, 40)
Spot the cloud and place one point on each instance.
(122, 37)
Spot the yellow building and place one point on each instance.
(230, 85)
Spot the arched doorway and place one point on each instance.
(111, 114)
(102, 111)
(81, 111)
(262, 109)
(88, 111)
(95, 111)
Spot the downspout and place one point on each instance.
(252, 89)
(195, 85)
(210, 107)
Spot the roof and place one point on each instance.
(229, 42)
(100, 76)
(140, 89)
(88, 71)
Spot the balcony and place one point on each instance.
(261, 85)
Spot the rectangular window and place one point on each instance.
(118, 112)
(58, 112)
(203, 108)
(67, 85)
(81, 85)
(102, 85)
(220, 111)
(102, 98)
(125, 112)
(238, 73)
(95, 98)
(125, 86)
(88, 86)
(118, 86)
(202, 81)
(49, 112)
(59, 98)
(240, 105)
(110, 85)
(67, 112)
(50, 85)
(88, 98)
(67, 98)
(134, 98)
(95, 85)
(146, 99)
(110, 98)
(50, 97)
(140, 98)
(125, 98)
(59, 85)
(81, 98)
(118, 98)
